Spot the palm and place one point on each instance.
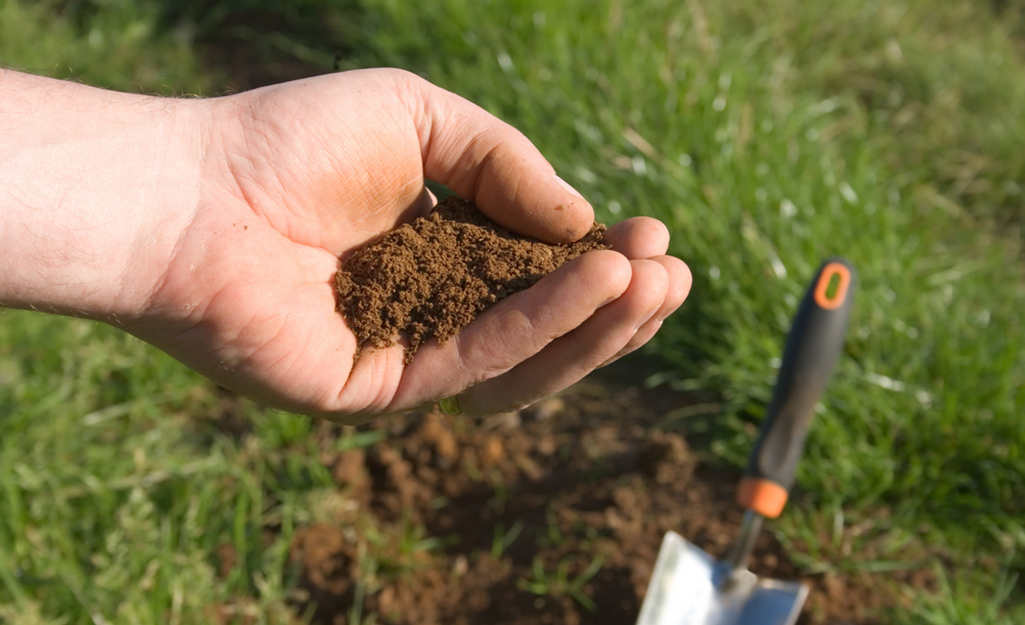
(309, 172)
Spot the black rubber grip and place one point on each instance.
(812, 348)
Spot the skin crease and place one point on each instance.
(212, 229)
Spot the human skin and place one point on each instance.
(212, 229)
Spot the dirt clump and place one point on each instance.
(432, 277)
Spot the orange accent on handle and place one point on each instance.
(762, 496)
(830, 270)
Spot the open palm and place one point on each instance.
(296, 175)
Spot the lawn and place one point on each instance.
(767, 136)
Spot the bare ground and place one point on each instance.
(550, 515)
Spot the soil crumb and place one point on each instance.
(432, 277)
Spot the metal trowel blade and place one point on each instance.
(689, 587)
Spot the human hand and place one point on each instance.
(237, 281)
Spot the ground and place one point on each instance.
(554, 514)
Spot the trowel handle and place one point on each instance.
(812, 348)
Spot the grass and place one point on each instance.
(767, 136)
(108, 43)
(117, 487)
(560, 583)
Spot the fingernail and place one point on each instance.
(566, 186)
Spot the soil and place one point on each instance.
(554, 514)
(432, 277)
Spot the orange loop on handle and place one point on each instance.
(762, 496)
(822, 287)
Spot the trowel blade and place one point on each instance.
(689, 587)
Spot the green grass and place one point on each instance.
(109, 43)
(767, 135)
(117, 488)
(560, 583)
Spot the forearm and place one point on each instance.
(94, 185)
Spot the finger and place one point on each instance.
(573, 356)
(427, 201)
(516, 328)
(423, 205)
(643, 335)
(489, 162)
(680, 281)
(638, 237)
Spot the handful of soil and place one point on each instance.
(430, 278)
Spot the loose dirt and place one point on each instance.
(553, 514)
(430, 278)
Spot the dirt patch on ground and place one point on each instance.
(550, 515)
(432, 277)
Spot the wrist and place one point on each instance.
(97, 188)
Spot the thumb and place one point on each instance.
(489, 162)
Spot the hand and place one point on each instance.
(237, 282)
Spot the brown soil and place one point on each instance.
(430, 278)
(550, 515)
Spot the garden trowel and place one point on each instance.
(688, 586)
